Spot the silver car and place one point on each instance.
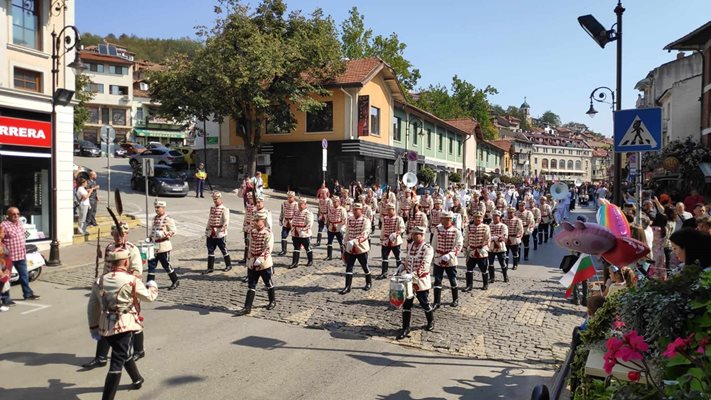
(168, 157)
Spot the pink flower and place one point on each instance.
(636, 341)
(614, 345)
(633, 376)
(627, 353)
(702, 345)
(675, 346)
(618, 324)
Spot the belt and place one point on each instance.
(161, 240)
(216, 226)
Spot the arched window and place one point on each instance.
(570, 164)
(544, 163)
(561, 164)
(554, 164)
(577, 165)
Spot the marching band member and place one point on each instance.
(435, 217)
(390, 238)
(537, 221)
(259, 263)
(417, 218)
(288, 208)
(499, 237)
(546, 218)
(324, 202)
(417, 262)
(216, 232)
(529, 222)
(447, 245)
(163, 230)
(336, 222)
(476, 245)
(515, 228)
(357, 247)
(301, 223)
(426, 203)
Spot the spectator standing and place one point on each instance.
(93, 190)
(681, 216)
(200, 178)
(258, 183)
(14, 241)
(692, 199)
(601, 193)
(82, 196)
(5, 274)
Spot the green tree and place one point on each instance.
(82, 96)
(455, 177)
(151, 49)
(426, 175)
(357, 41)
(255, 63)
(551, 118)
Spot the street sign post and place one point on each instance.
(324, 157)
(638, 129)
(147, 173)
(108, 134)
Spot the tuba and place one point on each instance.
(578, 182)
(409, 179)
(559, 191)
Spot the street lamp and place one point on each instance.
(602, 36)
(601, 97)
(63, 42)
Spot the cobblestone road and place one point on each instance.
(527, 319)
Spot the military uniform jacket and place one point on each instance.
(135, 263)
(499, 237)
(287, 213)
(372, 202)
(405, 204)
(357, 230)
(392, 225)
(462, 216)
(435, 217)
(476, 206)
(426, 204)
(336, 219)
(368, 212)
(476, 240)
(515, 230)
(536, 216)
(218, 222)
(113, 303)
(490, 206)
(417, 262)
(419, 219)
(546, 213)
(323, 206)
(261, 242)
(447, 241)
(383, 208)
(247, 222)
(301, 223)
(528, 221)
(163, 230)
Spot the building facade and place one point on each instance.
(26, 121)
(560, 158)
(522, 149)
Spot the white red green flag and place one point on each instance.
(582, 270)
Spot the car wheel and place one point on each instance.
(133, 163)
(34, 274)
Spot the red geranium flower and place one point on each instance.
(702, 345)
(633, 376)
(675, 346)
(636, 341)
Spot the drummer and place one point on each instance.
(417, 262)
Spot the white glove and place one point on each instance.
(446, 258)
(151, 284)
(398, 270)
(393, 237)
(95, 334)
(257, 262)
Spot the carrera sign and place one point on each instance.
(25, 132)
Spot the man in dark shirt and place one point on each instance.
(93, 190)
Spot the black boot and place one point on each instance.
(485, 279)
(455, 296)
(101, 356)
(247, 303)
(283, 248)
(150, 277)
(430, 320)
(492, 277)
(535, 243)
(294, 260)
(368, 282)
(174, 279)
(383, 271)
(272, 299)
(244, 257)
(505, 273)
(349, 281)
(329, 252)
(309, 258)
(318, 239)
(470, 281)
(228, 263)
(132, 370)
(405, 332)
(139, 351)
(437, 298)
(96, 362)
(540, 238)
(210, 265)
(525, 253)
(111, 385)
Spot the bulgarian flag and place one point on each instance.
(583, 269)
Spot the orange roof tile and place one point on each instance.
(504, 145)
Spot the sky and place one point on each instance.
(533, 49)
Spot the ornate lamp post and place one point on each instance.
(63, 42)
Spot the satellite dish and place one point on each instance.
(559, 191)
(578, 182)
(409, 179)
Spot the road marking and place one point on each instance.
(39, 307)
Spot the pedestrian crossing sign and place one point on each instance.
(638, 129)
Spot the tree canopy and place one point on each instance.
(550, 118)
(151, 49)
(82, 96)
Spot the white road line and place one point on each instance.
(39, 307)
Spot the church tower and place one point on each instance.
(526, 110)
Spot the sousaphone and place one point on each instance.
(409, 179)
(559, 191)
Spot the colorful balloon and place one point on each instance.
(626, 251)
(611, 217)
(585, 237)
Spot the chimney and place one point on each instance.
(680, 55)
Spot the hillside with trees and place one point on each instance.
(151, 49)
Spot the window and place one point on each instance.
(93, 115)
(570, 164)
(459, 148)
(440, 141)
(451, 145)
(105, 115)
(554, 164)
(535, 160)
(118, 116)
(26, 23)
(561, 164)
(577, 165)
(544, 163)
(118, 69)
(94, 87)
(139, 117)
(25, 79)
(397, 129)
(415, 133)
(96, 67)
(374, 120)
(118, 90)
(320, 120)
(429, 138)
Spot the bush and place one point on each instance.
(426, 175)
(454, 177)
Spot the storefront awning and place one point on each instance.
(159, 133)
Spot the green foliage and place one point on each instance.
(254, 65)
(550, 118)
(689, 154)
(426, 175)
(151, 49)
(357, 41)
(82, 96)
(461, 101)
(454, 177)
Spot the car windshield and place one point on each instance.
(166, 173)
(175, 153)
(87, 143)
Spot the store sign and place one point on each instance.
(25, 132)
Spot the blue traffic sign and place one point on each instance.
(638, 129)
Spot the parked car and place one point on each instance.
(156, 145)
(165, 181)
(85, 148)
(188, 154)
(172, 158)
(120, 152)
(132, 148)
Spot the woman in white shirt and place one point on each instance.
(83, 199)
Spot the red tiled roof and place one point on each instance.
(91, 56)
(358, 72)
(503, 144)
(469, 125)
(599, 153)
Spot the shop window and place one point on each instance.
(94, 87)
(24, 183)
(118, 90)
(374, 120)
(118, 116)
(25, 79)
(93, 115)
(320, 120)
(397, 129)
(26, 23)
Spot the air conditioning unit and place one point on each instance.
(264, 160)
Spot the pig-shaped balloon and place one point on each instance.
(585, 237)
(626, 251)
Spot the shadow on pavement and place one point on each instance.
(56, 390)
(37, 359)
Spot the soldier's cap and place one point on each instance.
(447, 214)
(118, 254)
(261, 214)
(302, 200)
(417, 230)
(159, 203)
(336, 198)
(290, 193)
(510, 207)
(390, 206)
(477, 213)
(259, 198)
(497, 213)
(357, 206)
(216, 195)
(123, 228)
(438, 201)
